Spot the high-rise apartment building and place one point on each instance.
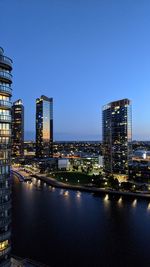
(44, 127)
(18, 129)
(5, 152)
(117, 134)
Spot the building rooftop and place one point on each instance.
(18, 102)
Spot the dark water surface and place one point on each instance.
(79, 230)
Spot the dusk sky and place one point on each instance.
(84, 54)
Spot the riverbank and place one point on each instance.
(98, 191)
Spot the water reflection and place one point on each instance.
(134, 203)
(66, 193)
(148, 207)
(120, 201)
(78, 194)
(106, 198)
(74, 218)
(61, 191)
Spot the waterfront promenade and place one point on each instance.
(101, 191)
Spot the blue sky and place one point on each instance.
(84, 54)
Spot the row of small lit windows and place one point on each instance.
(4, 169)
(5, 132)
(4, 140)
(4, 112)
(3, 69)
(4, 84)
(4, 184)
(5, 126)
(3, 97)
(3, 154)
(18, 109)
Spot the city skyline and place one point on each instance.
(83, 54)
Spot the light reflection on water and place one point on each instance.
(88, 229)
(120, 202)
(148, 207)
(134, 203)
(78, 194)
(106, 198)
(61, 191)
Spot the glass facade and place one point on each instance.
(18, 129)
(5, 153)
(46, 121)
(117, 134)
(44, 127)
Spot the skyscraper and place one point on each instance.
(44, 127)
(18, 129)
(5, 151)
(117, 134)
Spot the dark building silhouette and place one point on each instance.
(18, 129)
(44, 127)
(5, 153)
(117, 133)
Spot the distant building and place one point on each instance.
(141, 154)
(18, 129)
(44, 127)
(63, 164)
(117, 134)
(101, 161)
(139, 166)
(139, 170)
(29, 148)
(5, 152)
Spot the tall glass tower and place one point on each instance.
(117, 134)
(44, 127)
(18, 129)
(5, 151)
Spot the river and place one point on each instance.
(66, 228)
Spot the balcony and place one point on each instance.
(5, 251)
(5, 191)
(6, 145)
(5, 221)
(5, 133)
(5, 206)
(5, 89)
(6, 61)
(4, 162)
(6, 263)
(5, 118)
(5, 76)
(5, 236)
(5, 104)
